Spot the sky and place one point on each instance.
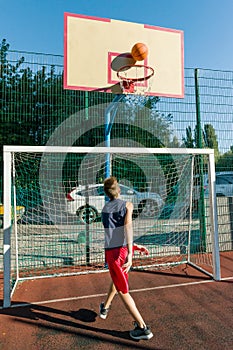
(38, 25)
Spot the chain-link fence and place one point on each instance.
(36, 110)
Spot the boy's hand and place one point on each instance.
(142, 250)
(126, 267)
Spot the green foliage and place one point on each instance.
(189, 140)
(209, 138)
(33, 103)
(225, 161)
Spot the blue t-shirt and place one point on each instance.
(113, 219)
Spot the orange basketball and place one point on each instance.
(139, 51)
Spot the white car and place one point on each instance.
(224, 184)
(87, 202)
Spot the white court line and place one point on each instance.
(104, 294)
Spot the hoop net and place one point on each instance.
(135, 79)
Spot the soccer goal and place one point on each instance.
(60, 189)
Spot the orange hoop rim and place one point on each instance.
(121, 77)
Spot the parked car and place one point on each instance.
(224, 184)
(87, 202)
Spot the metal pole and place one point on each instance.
(7, 230)
(200, 145)
(190, 209)
(198, 113)
(87, 226)
(110, 114)
(214, 221)
(86, 105)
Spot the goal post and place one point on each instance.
(58, 232)
(7, 177)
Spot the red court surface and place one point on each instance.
(185, 309)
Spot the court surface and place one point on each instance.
(185, 309)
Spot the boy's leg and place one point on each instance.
(111, 293)
(132, 308)
(141, 330)
(104, 307)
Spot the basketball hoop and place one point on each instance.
(135, 79)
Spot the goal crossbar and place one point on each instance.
(64, 149)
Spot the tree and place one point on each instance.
(12, 126)
(33, 103)
(225, 161)
(209, 138)
(174, 142)
(144, 113)
(189, 141)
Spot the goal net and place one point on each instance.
(53, 197)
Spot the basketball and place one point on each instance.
(139, 51)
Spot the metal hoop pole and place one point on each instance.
(110, 115)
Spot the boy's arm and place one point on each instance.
(129, 235)
(141, 249)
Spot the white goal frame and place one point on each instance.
(8, 151)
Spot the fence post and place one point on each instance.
(200, 145)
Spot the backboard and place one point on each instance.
(96, 48)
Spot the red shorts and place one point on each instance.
(115, 258)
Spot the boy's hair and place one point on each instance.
(111, 187)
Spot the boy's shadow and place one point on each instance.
(40, 313)
(84, 315)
